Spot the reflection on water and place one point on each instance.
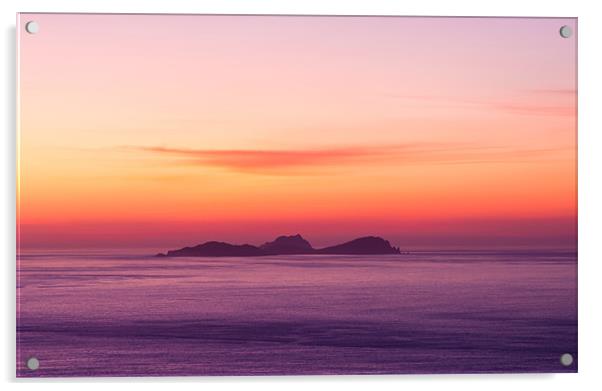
(106, 314)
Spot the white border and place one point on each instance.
(590, 188)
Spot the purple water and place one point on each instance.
(104, 314)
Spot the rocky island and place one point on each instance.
(285, 245)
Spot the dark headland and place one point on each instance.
(286, 245)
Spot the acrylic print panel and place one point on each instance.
(296, 195)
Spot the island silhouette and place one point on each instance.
(285, 245)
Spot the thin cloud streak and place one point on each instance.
(304, 161)
(561, 111)
(519, 108)
(556, 91)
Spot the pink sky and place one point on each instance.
(239, 128)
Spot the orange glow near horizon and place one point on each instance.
(464, 128)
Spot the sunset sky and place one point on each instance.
(163, 131)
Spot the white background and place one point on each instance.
(590, 189)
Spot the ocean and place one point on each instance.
(112, 313)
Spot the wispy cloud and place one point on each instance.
(556, 91)
(257, 160)
(535, 105)
(308, 161)
(542, 110)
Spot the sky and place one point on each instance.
(164, 131)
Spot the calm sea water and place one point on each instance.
(106, 314)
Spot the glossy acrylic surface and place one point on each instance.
(430, 161)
